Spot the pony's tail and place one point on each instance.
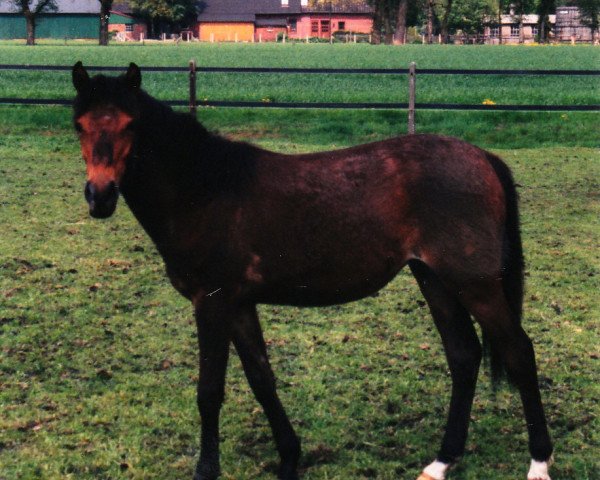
(513, 263)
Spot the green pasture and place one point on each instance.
(312, 88)
(98, 357)
(520, 130)
(315, 55)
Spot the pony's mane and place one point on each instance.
(200, 158)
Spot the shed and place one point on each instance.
(72, 19)
(126, 26)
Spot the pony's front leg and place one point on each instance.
(212, 321)
(250, 345)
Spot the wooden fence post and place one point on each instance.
(412, 80)
(193, 87)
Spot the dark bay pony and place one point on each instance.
(237, 226)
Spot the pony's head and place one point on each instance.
(105, 112)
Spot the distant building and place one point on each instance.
(511, 29)
(568, 26)
(72, 20)
(565, 26)
(125, 25)
(264, 20)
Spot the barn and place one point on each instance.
(125, 26)
(263, 20)
(226, 21)
(72, 19)
(323, 19)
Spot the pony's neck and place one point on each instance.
(177, 165)
(179, 148)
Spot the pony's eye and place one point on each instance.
(78, 127)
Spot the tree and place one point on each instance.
(544, 9)
(520, 8)
(161, 14)
(445, 20)
(390, 18)
(30, 10)
(430, 15)
(499, 12)
(471, 16)
(105, 7)
(401, 17)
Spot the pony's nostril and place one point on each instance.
(89, 192)
(101, 200)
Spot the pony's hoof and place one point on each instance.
(539, 470)
(207, 472)
(424, 476)
(436, 470)
(202, 476)
(287, 472)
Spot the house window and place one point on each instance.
(285, 3)
(304, 3)
(314, 26)
(293, 25)
(129, 27)
(324, 26)
(534, 30)
(341, 25)
(514, 30)
(494, 32)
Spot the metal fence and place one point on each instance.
(411, 73)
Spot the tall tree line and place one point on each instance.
(390, 17)
(441, 17)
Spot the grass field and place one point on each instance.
(343, 88)
(98, 353)
(491, 129)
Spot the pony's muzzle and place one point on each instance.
(101, 200)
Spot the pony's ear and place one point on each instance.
(80, 77)
(133, 77)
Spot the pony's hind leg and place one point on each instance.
(463, 352)
(250, 345)
(486, 301)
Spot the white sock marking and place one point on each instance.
(538, 471)
(437, 470)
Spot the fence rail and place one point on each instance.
(331, 105)
(367, 71)
(412, 105)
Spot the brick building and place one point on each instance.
(264, 20)
(126, 26)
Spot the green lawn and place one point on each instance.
(316, 55)
(98, 353)
(335, 88)
(489, 129)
